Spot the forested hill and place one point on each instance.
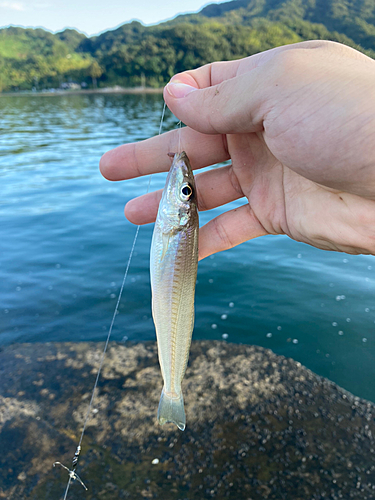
(354, 18)
(134, 54)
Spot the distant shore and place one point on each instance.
(105, 90)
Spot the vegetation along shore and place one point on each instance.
(135, 55)
(105, 90)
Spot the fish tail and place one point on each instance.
(171, 409)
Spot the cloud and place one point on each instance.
(12, 5)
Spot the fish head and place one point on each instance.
(178, 206)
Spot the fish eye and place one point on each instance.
(186, 191)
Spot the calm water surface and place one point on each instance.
(65, 242)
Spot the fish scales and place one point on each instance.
(173, 266)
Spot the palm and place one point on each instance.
(284, 202)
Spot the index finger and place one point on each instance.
(151, 155)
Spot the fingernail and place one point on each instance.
(179, 89)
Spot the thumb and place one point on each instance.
(236, 105)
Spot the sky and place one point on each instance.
(91, 16)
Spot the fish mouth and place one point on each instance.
(180, 170)
(178, 156)
(182, 156)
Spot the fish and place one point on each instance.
(173, 271)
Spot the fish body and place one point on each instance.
(173, 269)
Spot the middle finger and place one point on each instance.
(215, 187)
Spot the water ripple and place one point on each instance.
(65, 243)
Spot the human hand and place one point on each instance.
(297, 122)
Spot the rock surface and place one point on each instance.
(259, 426)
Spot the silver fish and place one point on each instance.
(173, 268)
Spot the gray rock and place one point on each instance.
(259, 426)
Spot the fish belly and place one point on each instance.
(173, 278)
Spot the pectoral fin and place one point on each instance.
(165, 239)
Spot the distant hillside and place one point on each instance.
(35, 57)
(353, 18)
(158, 52)
(133, 54)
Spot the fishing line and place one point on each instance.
(72, 472)
(179, 124)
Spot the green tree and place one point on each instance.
(223, 31)
(95, 71)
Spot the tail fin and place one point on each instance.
(172, 410)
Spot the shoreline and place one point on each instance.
(106, 90)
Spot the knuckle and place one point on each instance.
(202, 206)
(234, 182)
(222, 235)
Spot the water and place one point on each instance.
(65, 242)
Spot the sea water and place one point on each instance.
(64, 243)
